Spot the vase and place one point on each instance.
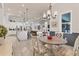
(49, 37)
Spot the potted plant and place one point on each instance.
(3, 32)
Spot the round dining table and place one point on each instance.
(54, 41)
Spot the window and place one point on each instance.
(66, 22)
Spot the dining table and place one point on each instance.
(50, 42)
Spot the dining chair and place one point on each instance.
(68, 50)
(57, 49)
(38, 47)
(76, 47)
(59, 35)
(22, 35)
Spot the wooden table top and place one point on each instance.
(54, 41)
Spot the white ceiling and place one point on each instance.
(35, 10)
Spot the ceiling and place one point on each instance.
(35, 10)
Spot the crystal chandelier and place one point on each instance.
(50, 13)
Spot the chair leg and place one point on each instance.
(33, 52)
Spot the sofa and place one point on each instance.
(71, 38)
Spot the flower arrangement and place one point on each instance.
(3, 31)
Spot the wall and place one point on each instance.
(3, 18)
(56, 7)
(63, 7)
(1, 22)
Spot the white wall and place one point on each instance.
(58, 7)
(63, 7)
(1, 22)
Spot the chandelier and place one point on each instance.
(50, 13)
(48, 16)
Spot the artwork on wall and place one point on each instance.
(66, 17)
(66, 22)
(53, 23)
(66, 28)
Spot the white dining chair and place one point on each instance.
(58, 47)
(76, 47)
(59, 35)
(38, 48)
(21, 35)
